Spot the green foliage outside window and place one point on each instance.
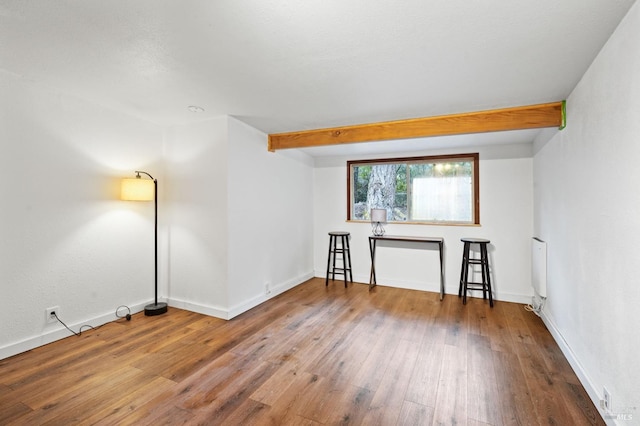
(427, 189)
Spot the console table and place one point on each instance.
(373, 239)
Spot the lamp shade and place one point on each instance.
(378, 215)
(137, 189)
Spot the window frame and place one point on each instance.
(474, 157)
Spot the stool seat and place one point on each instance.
(467, 262)
(343, 250)
(475, 240)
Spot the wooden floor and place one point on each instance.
(314, 355)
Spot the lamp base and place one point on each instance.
(377, 229)
(155, 309)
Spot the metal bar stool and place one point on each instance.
(341, 249)
(467, 262)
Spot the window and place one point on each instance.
(435, 189)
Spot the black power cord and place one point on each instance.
(67, 327)
(79, 333)
(128, 314)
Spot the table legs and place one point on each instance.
(441, 249)
(372, 274)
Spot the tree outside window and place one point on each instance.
(436, 189)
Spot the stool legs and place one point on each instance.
(487, 277)
(335, 250)
(331, 246)
(347, 265)
(467, 262)
(345, 251)
(464, 272)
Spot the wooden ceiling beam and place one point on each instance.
(497, 120)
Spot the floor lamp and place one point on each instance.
(139, 189)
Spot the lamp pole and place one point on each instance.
(155, 308)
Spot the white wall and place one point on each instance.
(587, 208)
(197, 175)
(270, 218)
(240, 216)
(506, 203)
(66, 240)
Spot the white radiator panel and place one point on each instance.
(539, 266)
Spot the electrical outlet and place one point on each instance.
(49, 314)
(267, 287)
(606, 400)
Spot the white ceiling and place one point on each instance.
(288, 65)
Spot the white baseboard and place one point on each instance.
(432, 286)
(577, 367)
(57, 331)
(234, 311)
(276, 289)
(212, 311)
(54, 332)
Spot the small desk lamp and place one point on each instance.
(378, 217)
(138, 189)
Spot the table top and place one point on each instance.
(407, 238)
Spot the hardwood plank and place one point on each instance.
(313, 355)
(515, 118)
(76, 398)
(248, 412)
(313, 404)
(349, 405)
(374, 365)
(411, 317)
(545, 384)
(423, 385)
(477, 316)
(118, 410)
(388, 400)
(8, 397)
(457, 320)
(285, 386)
(203, 387)
(104, 396)
(413, 414)
(305, 392)
(164, 414)
(518, 327)
(552, 355)
(474, 422)
(496, 328)
(307, 345)
(221, 402)
(178, 362)
(482, 387)
(12, 412)
(341, 361)
(206, 323)
(579, 405)
(69, 382)
(342, 355)
(40, 364)
(515, 397)
(451, 400)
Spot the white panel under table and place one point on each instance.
(417, 241)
